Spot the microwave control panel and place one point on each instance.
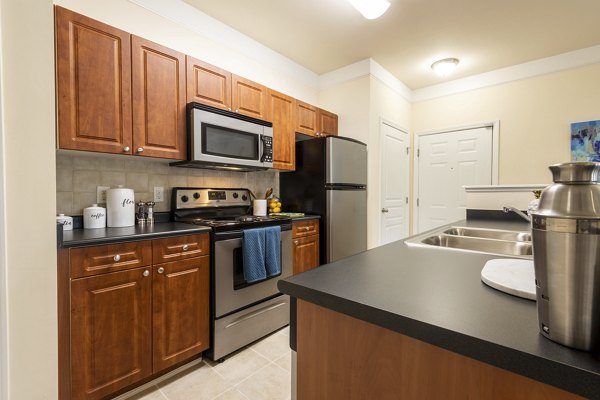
(267, 155)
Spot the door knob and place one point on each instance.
(126, 149)
(140, 150)
(161, 270)
(385, 210)
(146, 273)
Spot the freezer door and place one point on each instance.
(346, 161)
(346, 219)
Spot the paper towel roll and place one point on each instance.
(120, 207)
(94, 217)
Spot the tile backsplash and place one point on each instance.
(78, 175)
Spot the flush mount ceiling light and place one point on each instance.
(445, 67)
(371, 9)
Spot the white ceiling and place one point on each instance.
(485, 35)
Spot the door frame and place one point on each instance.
(495, 125)
(394, 125)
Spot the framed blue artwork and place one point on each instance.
(585, 141)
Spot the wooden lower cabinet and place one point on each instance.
(129, 325)
(305, 239)
(111, 345)
(180, 313)
(306, 253)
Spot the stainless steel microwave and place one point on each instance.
(220, 139)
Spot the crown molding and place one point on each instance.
(543, 66)
(204, 25)
(360, 69)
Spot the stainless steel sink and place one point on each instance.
(489, 234)
(494, 246)
(481, 240)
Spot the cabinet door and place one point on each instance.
(248, 98)
(181, 312)
(158, 75)
(281, 113)
(306, 253)
(328, 123)
(93, 71)
(208, 84)
(306, 118)
(111, 320)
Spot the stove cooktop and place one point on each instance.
(236, 223)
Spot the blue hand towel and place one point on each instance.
(253, 250)
(273, 250)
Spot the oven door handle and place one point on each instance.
(255, 313)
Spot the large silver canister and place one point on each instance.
(566, 255)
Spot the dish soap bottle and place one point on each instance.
(535, 203)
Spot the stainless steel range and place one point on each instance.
(242, 312)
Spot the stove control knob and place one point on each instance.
(196, 195)
(244, 197)
(184, 198)
(235, 195)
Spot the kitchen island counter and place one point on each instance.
(436, 296)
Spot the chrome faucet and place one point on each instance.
(518, 212)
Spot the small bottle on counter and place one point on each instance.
(140, 215)
(150, 212)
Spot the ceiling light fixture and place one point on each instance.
(371, 9)
(445, 67)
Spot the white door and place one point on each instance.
(394, 183)
(446, 162)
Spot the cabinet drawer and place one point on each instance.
(87, 261)
(179, 248)
(305, 228)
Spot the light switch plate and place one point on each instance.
(159, 194)
(101, 194)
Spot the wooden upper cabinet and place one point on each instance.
(281, 114)
(158, 93)
(180, 310)
(111, 335)
(306, 118)
(208, 84)
(93, 67)
(328, 123)
(248, 97)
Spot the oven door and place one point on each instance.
(222, 139)
(232, 292)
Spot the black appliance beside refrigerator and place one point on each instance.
(331, 181)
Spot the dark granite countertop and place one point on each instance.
(91, 237)
(306, 218)
(436, 295)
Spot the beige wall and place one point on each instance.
(29, 237)
(535, 116)
(360, 105)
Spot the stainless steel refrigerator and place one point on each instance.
(331, 181)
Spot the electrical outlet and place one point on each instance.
(101, 194)
(159, 194)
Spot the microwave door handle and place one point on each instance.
(261, 148)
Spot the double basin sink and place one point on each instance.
(490, 241)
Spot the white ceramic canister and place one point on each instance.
(259, 207)
(66, 221)
(94, 217)
(120, 207)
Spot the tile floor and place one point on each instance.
(261, 371)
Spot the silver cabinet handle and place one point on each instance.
(117, 257)
(126, 149)
(146, 273)
(237, 111)
(228, 108)
(185, 247)
(161, 270)
(384, 210)
(140, 149)
(295, 242)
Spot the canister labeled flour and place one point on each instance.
(120, 207)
